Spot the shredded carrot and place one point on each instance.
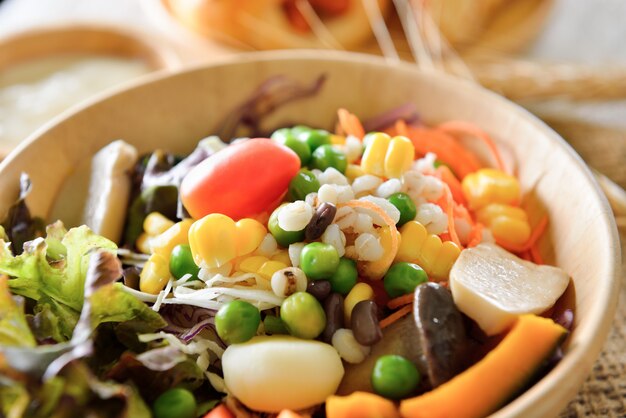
(395, 316)
(350, 124)
(449, 208)
(389, 256)
(445, 146)
(476, 235)
(444, 174)
(400, 301)
(462, 127)
(401, 128)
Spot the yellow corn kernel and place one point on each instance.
(509, 224)
(216, 239)
(212, 240)
(360, 291)
(447, 256)
(177, 234)
(414, 235)
(337, 140)
(154, 275)
(426, 250)
(143, 243)
(250, 233)
(251, 264)
(373, 161)
(489, 185)
(282, 256)
(399, 157)
(375, 270)
(353, 171)
(387, 157)
(156, 224)
(269, 268)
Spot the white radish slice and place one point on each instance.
(270, 374)
(493, 286)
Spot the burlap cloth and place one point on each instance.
(604, 392)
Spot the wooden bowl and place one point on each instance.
(173, 112)
(83, 40)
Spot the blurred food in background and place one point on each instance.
(45, 72)
(35, 91)
(275, 24)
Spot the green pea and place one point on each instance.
(302, 184)
(282, 237)
(402, 278)
(405, 205)
(285, 137)
(345, 276)
(326, 156)
(274, 325)
(303, 315)
(175, 403)
(181, 262)
(319, 260)
(237, 322)
(313, 137)
(394, 377)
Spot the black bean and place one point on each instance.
(365, 324)
(323, 217)
(333, 307)
(319, 288)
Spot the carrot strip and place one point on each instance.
(445, 147)
(400, 301)
(389, 256)
(462, 127)
(350, 124)
(450, 212)
(476, 236)
(395, 316)
(444, 174)
(401, 128)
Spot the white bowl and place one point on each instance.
(173, 112)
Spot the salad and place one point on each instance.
(384, 269)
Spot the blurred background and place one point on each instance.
(564, 60)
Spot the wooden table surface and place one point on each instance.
(583, 31)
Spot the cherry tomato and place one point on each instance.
(246, 179)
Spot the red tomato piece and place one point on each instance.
(244, 180)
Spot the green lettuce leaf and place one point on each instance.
(62, 280)
(14, 330)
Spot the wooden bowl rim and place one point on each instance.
(557, 387)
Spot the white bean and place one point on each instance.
(368, 248)
(327, 193)
(332, 176)
(385, 205)
(353, 148)
(294, 253)
(268, 246)
(432, 217)
(388, 188)
(345, 217)
(333, 236)
(365, 184)
(288, 281)
(364, 223)
(348, 347)
(344, 194)
(295, 216)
